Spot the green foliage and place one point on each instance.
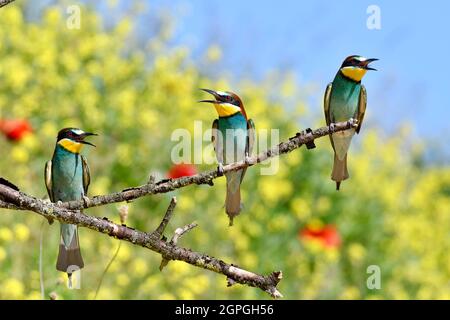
(391, 213)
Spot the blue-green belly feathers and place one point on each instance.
(67, 175)
(234, 133)
(344, 99)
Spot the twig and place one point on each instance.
(179, 232)
(151, 241)
(167, 185)
(169, 212)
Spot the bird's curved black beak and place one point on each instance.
(215, 94)
(366, 64)
(87, 134)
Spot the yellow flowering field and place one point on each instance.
(392, 213)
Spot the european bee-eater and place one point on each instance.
(346, 98)
(67, 178)
(233, 136)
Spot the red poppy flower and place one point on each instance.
(327, 235)
(15, 130)
(182, 170)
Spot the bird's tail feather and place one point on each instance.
(233, 203)
(69, 258)
(340, 171)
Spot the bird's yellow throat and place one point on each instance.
(356, 74)
(71, 146)
(226, 109)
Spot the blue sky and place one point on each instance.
(313, 37)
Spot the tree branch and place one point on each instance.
(152, 241)
(69, 212)
(5, 2)
(167, 185)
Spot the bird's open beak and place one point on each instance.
(87, 134)
(215, 94)
(366, 64)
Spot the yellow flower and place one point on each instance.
(124, 27)
(301, 208)
(166, 296)
(288, 87)
(196, 285)
(34, 295)
(151, 283)
(185, 294)
(250, 260)
(179, 267)
(52, 16)
(122, 279)
(214, 53)
(356, 252)
(281, 223)
(350, 293)
(139, 267)
(124, 252)
(323, 204)
(48, 129)
(22, 232)
(19, 154)
(12, 289)
(185, 204)
(273, 189)
(12, 15)
(112, 3)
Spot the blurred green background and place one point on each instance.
(103, 77)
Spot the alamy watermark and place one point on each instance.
(374, 280)
(230, 146)
(373, 21)
(73, 20)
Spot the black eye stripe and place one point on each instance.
(352, 62)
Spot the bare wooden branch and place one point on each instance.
(169, 212)
(179, 232)
(69, 212)
(152, 241)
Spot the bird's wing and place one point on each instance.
(48, 179)
(326, 108)
(217, 141)
(326, 103)
(251, 134)
(86, 175)
(361, 107)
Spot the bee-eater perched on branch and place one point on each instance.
(67, 178)
(346, 98)
(233, 138)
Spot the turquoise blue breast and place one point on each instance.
(67, 175)
(234, 133)
(344, 98)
